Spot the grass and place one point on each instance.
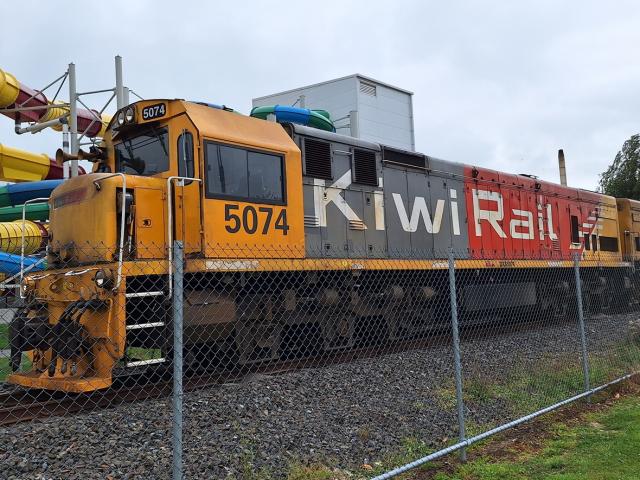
(4, 336)
(5, 369)
(603, 445)
(311, 472)
(527, 389)
(622, 359)
(139, 353)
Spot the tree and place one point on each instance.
(622, 178)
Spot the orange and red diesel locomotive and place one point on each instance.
(289, 228)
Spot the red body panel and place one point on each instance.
(516, 217)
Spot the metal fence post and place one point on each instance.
(73, 118)
(456, 352)
(177, 301)
(583, 337)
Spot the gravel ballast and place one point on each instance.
(342, 416)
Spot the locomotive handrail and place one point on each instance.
(170, 225)
(24, 222)
(122, 220)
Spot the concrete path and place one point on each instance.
(6, 314)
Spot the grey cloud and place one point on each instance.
(503, 85)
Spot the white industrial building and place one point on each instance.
(359, 106)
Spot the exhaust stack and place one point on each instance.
(563, 168)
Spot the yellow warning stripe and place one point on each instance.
(261, 265)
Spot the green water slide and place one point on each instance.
(314, 118)
(34, 211)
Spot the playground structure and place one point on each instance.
(21, 166)
(24, 209)
(21, 103)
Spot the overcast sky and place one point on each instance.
(496, 84)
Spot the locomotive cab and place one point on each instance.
(174, 170)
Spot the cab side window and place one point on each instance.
(608, 244)
(185, 156)
(245, 175)
(575, 232)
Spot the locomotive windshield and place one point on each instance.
(144, 153)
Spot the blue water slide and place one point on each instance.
(19, 193)
(10, 263)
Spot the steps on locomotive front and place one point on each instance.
(140, 353)
(141, 363)
(143, 294)
(138, 326)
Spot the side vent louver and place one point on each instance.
(364, 167)
(368, 89)
(317, 159)
(311, 221)
(401, 157)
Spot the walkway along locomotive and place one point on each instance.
(368, 225)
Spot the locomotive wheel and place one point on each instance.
(301, 340)
(257, 341)
(553, 303)
(371, 331)
(338, 332)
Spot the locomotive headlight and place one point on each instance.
(103, 278)
(120, 119)
(27, 285)
(129, 115)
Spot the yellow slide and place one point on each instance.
(21, 166)
(11, 236)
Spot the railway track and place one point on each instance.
(20, 405)
(24, 405)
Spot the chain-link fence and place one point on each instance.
(273, 365)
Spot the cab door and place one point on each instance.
(253, 204)
(187, 196)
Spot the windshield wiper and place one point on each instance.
(137, 164)
(157, 135)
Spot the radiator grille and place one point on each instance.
(364, 167)
(317, 158)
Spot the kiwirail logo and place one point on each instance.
(488, 209)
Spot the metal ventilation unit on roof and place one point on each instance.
(359, 106)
